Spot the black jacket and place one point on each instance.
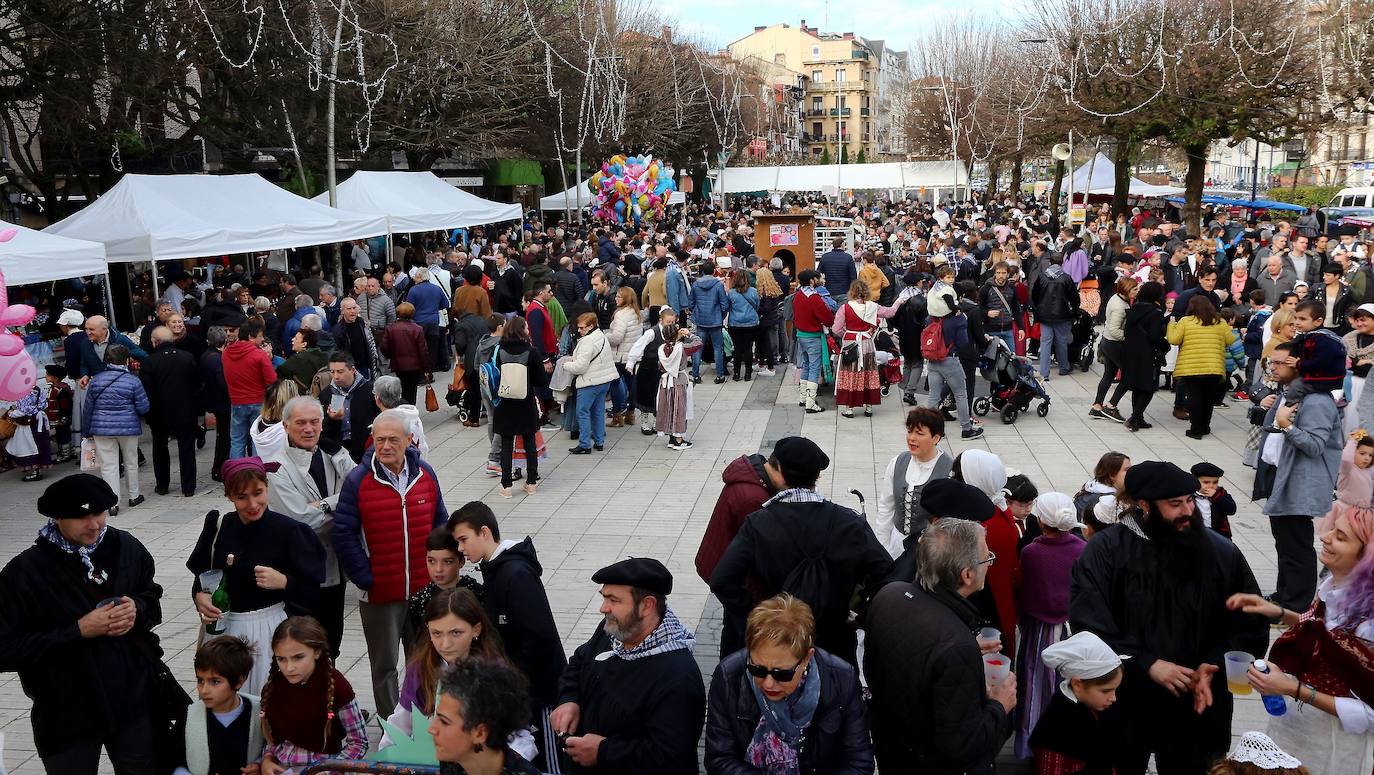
(977, 339)
(835, 743)
(910, 320)
(362, 410)
(514, 597)
(1145, 346)
(1010, 312)
(930, 709)
(172, 380)
(650, 710)
(215, 397)
(775, 539)
(78, 685)
(510, 290)
(1054, 297)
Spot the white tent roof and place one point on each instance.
(826, 177)
(164, 217)
(36, 257)
(416, 201)
(1104, 180)
(559, 202)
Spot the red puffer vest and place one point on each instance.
(395, 530)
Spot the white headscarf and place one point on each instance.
(1056, 510)
(1107, 510)
(984, 470)
(1082, 656)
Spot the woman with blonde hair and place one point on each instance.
(769, 341)
(626, 328)
(267, 432)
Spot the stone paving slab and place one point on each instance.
(640, 498)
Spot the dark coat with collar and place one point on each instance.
(91, 364)
(172, 379)
(836, 742)
(362, 410)
(930, 708)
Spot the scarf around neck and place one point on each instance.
(866, 311)
(52, 535)
(669, 635)
(778, 740)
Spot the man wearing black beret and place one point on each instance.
(796, 539)
(631, 700)
(73, 610)
(1154, 587)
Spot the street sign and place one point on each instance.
(1078, 214)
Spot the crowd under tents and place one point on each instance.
(38, 257)
(567, 200)
(417, 201)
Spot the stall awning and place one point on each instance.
(1253, 204)
(1098, 176)
(569, 202)
(418, 201)
(515, 172)
(37, 257)
(828, 177)
(165, 217)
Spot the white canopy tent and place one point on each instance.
(417, 201)
(567, 200)
(166, 217)
(36, 257)
(1098, 176)
(894, 176)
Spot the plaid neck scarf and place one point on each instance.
(669, 635)
(52, 535)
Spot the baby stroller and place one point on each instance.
(1014, 384)
(887, 352)
(1082, 341)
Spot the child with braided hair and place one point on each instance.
(309, 711)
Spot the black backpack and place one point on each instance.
(809, 580)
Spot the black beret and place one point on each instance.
(807, 276)
(798, 453)
(643, 572)
(56, 370)
(233, 318)
(952, 498)
(1156, 480)
(76, 496)
(1207, 469)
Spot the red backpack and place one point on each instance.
(933, 347)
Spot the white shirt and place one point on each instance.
(917, 473)
(1273, 445)
(1356, 717)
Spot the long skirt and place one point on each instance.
(674, 407)
(646, 389)
(858, 385)
(31, 445)
(1037, 682)
(1319, 742)
(255, 628)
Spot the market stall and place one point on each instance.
(417, 201)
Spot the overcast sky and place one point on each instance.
(900, 22)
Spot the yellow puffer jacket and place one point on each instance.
(1202, 349)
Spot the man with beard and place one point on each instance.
(1154, 587)
(632, 699)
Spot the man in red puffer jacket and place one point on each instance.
(387, 508)
(247, 373)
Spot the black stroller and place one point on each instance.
(1014, 384)
(1083, 340)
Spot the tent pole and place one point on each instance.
(109, 298)
(156, 294)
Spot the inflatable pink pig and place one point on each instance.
(17, 370)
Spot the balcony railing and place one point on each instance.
(839, 111)
(816, 112)
(1348, 154)
(864, 112)
(832, 86)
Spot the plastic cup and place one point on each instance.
(1237, 665)
(989, 636)
(996, 668)
(210, 579)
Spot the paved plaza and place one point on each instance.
(641, 499)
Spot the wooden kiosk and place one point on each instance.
(789, 236)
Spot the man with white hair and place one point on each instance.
(388, 394)
(306, 488)
(329, 302)
(387, 507)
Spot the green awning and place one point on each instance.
(1288, 166)
(514, 172)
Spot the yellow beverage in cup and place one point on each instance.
(1242, 687)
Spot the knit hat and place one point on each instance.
(1321, 360)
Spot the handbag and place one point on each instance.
(431, 400)
(455, 389)
(7, 426)
(90, 456)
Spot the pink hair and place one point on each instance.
(1360, 587)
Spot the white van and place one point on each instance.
(1349, 201)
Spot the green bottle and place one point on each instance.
(220, 599)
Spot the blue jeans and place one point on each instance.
(1008, 336)
(716, 336)
(621, 389)
(809, 362)
(591, 414)
(1054, 337)
(241, 418)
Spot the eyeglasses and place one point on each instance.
(780, 674)
(990, 560)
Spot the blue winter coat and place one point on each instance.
(607, 252)
(839, 271)
(1311, 455)
(428, 299)
(744, 307)
(115, 404)
(709, 305)
(675, 286)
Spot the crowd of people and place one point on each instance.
(971, 608)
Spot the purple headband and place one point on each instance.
(254, 463)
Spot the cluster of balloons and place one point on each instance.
(632, 188)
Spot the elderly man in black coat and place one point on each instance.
(933, 712)
(77, 610)
(172, 379)
(1154, 587)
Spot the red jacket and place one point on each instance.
(403, 342)
(744, 493)
(1004, 576)
(379, 536)
(810, 313)
(247, 372)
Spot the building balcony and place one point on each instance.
(834, 86)
(1347, 154)
(865, 112)
(816, 112)
(839, 111)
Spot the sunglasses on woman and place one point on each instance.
(780, 674)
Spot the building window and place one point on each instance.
(816, 130)
(816, 76)
(780, 59)
(839, 75)
(815, 51)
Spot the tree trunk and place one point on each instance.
(1192, 186)
(1121, 157)
(1056, 189)
(994, 175)
(1015, 185)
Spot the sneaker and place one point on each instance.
(1097, 414)
(1241, 395)
(766, 372)
(950, 415)
(517, 474)
(493, 469)
(1113, 413)
(909, 399)
(718, 380)
(680, 445)
(817, 409)
(971, 433)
